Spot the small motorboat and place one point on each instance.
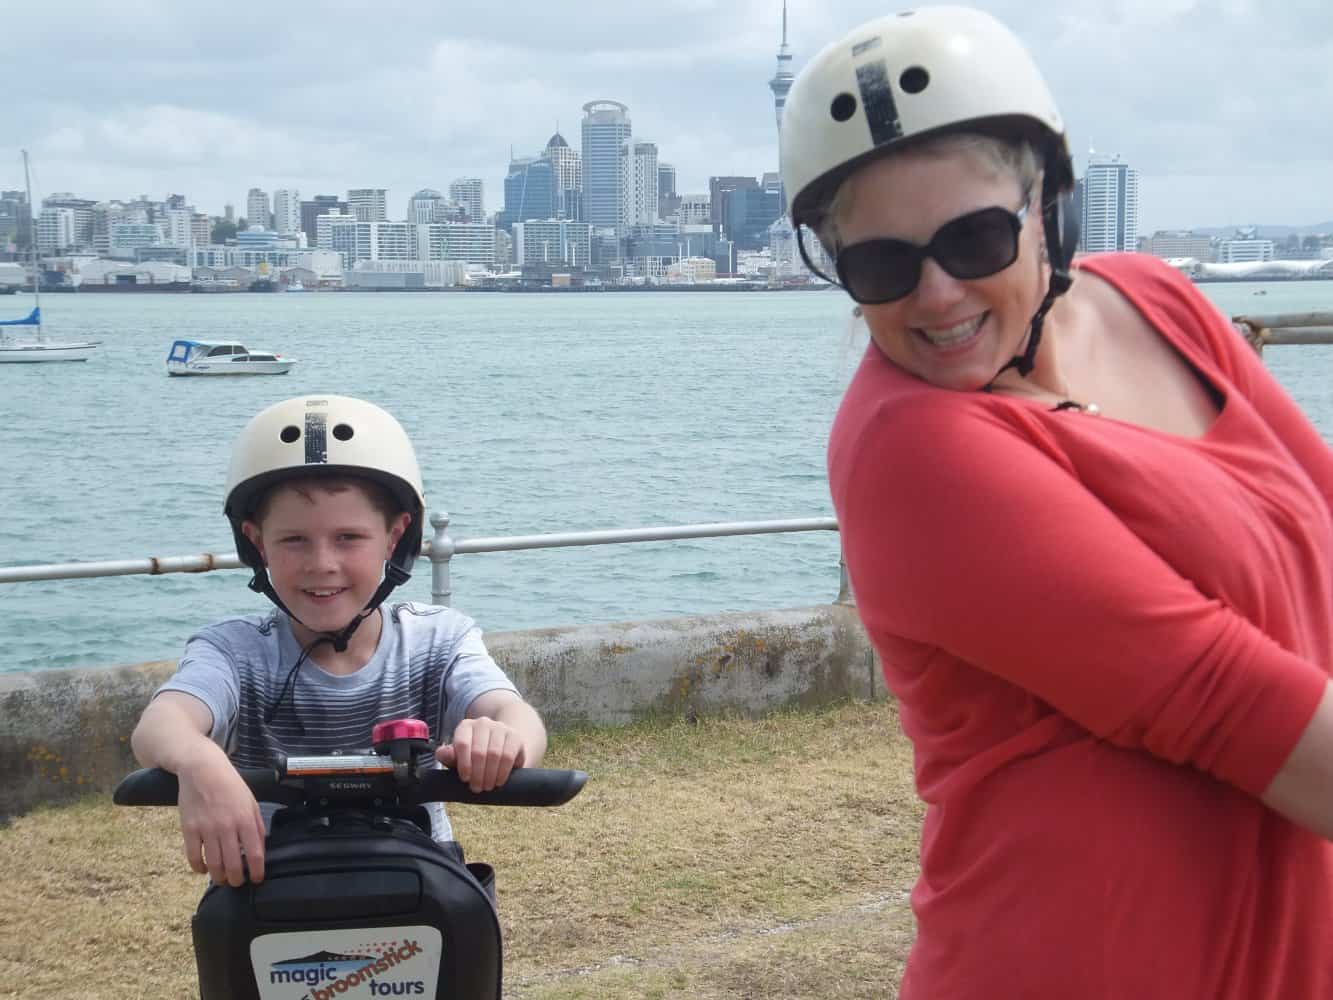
(204, 357)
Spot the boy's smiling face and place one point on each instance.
(325, 550)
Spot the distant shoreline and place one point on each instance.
(540, 290)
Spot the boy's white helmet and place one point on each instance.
(900, 78)
(324, 436)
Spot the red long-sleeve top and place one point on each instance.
(1104, 640)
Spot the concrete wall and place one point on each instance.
(66, 732)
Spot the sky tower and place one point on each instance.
(781, 83)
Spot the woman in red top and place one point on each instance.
(1090, 537)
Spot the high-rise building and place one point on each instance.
(606, 138)
(201, 229)
(55, 230)
(287, 210)
(83, 216)
(568, 177)
(1108, 194)
(256, 209)
(425, 207)
(743, 208)
(367, 204)
(322, 204)
(694, 210)
(668, 201)
(530, 191)
(641, 184)
(467, 192)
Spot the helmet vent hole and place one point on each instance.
(290, 434)
(914, 80)
(343, 432)
(843, 107)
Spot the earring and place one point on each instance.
(856, 312)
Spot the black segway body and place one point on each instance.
(350, 908)
(358, 900)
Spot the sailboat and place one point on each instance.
(15, 348)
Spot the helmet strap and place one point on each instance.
(396, 573)
(1060, 250)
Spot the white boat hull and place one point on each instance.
(231, 368)
(31, 352)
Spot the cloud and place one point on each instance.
(157, 96)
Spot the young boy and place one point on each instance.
(325, 502)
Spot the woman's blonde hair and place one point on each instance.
(1016, 157)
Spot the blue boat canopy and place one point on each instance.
(33, 318)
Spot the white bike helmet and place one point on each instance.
(905, 77)
(330, 437)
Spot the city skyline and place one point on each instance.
(381, 97)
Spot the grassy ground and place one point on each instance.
(720, 859)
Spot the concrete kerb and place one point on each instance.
(64, 733)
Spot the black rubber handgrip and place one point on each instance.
(152, 786)
(527, 786)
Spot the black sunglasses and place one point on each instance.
(975, 245)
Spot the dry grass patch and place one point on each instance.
(724, 858)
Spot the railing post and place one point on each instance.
(844, 582)
(441, 551)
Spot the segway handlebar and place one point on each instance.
(527, 786)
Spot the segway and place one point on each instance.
(358, 900)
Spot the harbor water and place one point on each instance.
(531, 413)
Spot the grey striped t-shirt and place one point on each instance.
(430, 664)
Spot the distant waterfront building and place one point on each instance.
(692, 271)
(392, 240)
(568, 166)
(467, 192)
(606, 137)
(55, 230)
(694, 210)
(425, 207)
(1108, 193)
(201, 229)
(326, 265)
(287, 210)
(473, 242)
(83, 216)
(256, 209)
(547, 242)
(530, 191)
(229, 212)
(743, 208)
(641, 184)
(1245, 248)
(1168, 245)
(367, 204)
(178, 228)
(382, 274)
(668, 201)
(127, 237)
(321, 204)
(339, 231)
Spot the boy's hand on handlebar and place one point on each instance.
(221, 823)
(483, 753)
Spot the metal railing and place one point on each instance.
(440, 550)
(1285, 328)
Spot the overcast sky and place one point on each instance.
(1222, 105)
